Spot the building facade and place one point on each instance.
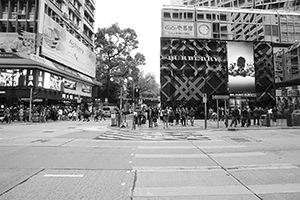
(223, 51)
(46, 48)
(249, 4)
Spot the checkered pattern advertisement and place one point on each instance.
(191, 67)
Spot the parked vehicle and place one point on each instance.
(108, 110)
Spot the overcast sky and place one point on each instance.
(142, 16)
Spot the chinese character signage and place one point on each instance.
(13, 77)
(178, 29)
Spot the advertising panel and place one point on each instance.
(80, 90)
(178, 29)
(13, 77)
(204, 30)
(22, 44)
(63, 47)
(68, 84)
(86, 88)
(55, 82)
(241, 71)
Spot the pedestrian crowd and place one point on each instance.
(21, 113)
(168, 116)
(243, 116)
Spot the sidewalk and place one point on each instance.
(199, 125)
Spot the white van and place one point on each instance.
(108, 110)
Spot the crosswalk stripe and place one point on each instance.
(170, 156)
(191, 147)
(175, 168)
(243, 154)
(261, 167)
(275, 188)
(216, 155)
(190, 191)
(215, 190)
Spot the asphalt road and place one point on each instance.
(91, 160)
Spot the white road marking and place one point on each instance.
(243, 154)
(65, 175)
(171, 156)
(176, 168)
(261, 167)
(215, 190)
(166, 147)
(275, 188)
(190, 191)
(191, 147)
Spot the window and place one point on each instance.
(167, 15)
(175, 16)
(200, 16)
(190, 16)
(223, 17)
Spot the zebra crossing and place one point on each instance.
(150, 135)
(211, 169)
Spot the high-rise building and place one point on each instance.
(255, 4)
(217, 52)
(47, 48)
(176, 2)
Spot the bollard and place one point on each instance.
(289, 120)
(268, 121)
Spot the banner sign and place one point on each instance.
(40, 78)
(70, 84)
(13, 77)
(55, 82)
(178, 29)
(241, 71)
(86, 89)
(63, 47)
(21, 44)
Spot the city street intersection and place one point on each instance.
(92, 160)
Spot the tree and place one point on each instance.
(148, 85)
(114, 47)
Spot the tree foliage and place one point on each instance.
(148, 85)
(114, 47)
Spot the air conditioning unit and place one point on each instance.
(65, 15)
(21, 12)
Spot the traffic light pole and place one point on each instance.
(30, 104)
(133, 107)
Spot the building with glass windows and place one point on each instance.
(210, 51)
(250, 4)
(46, 45)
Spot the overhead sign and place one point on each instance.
(220, 97)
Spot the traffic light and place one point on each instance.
(35, 95)
(137, 93)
